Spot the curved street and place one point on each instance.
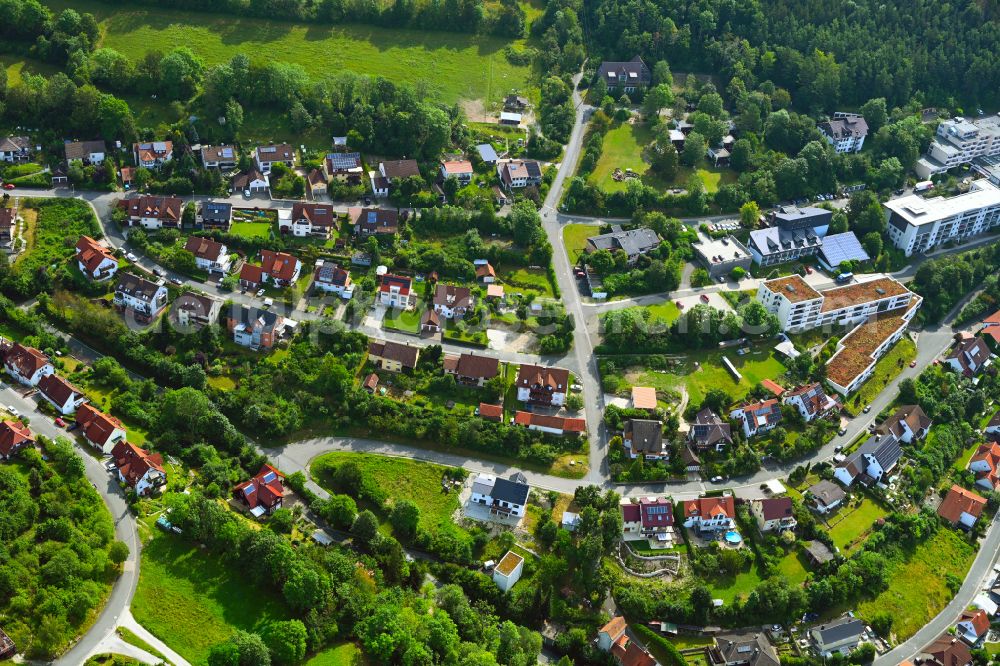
(581, 361)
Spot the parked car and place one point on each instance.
(913, 364)
(177, 281)
(131, 257)
(260, 292)
(704, 298)
(157, 272)
(680, 306)
(13, 411)
(867, 409)
(716, 479)
(8, 186)
(59, 422)
(842, 432)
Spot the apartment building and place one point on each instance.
(846, 132)
(799, 307)
(918, 225)
(959, 141)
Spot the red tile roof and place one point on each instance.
(615, 627)
(959, 501)
(490, 412)
(264, 489)
(630, 653)
(251, 273)
(631, 513)
(97, 426)
(133, 462)
(279, 265)
(389, 280)
(14, 435)
(204, 248)
(90, 253)
(26, 360)
(774, 387)
(536, 375)
(546, 421)
(708, 507)
(989, 454)
(57, 389)
(979, 620)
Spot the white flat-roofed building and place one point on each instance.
(959, 141)
(918, 225)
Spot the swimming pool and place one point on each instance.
(733, 537)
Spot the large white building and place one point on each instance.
(846, 132)
(918, 225)
(959, 141)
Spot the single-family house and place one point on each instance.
(219, 157)
(26, 365)
(153, 154)
(309, 219)
(611, 632)
(267, 156)
(972, 626)
(252, 181)
(710, 514)
(758, 417)
(251, 276)
(627, 77)
(542, 386)
(490, 412)
(343, 168)
(500, 197)
(255, 328)
(373, 221)
(139, 469)
(750, 649)
(281, 268)
(460, 170)
(127, 174)
(487, 154)
(503, 497)
(209, 255)
(871, 461)
(825, 496)
(88, 152)
(153, 212)
(551, 424)
(961, 507)
(452, 302)
(773, 514)
(985, 463)
(214, 215)
(15, 148)
(515, 174)
(14, 436)
(810, 400)
(708, 430)
(331, 278)
(192, 310)
(645, 437)
(59, 393)
(946, 650)
(516, 102)
(968, 356)
(392, 172)
(146, 299)
(95, 260)
(471, 369)
(430, 321)
(103, 431)
(485, 273)
(395, 291)
(650, 517)
(633, 242)
(263, 493)
(842, 635)
(629, 653)
(393, 356)
(508, 570)
(510, 119)
(316, 182)
(909, 423)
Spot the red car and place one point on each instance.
(8, 186)
(913, 364)
(809, 270)
(680, 306)
(704, 298)
(60, 423)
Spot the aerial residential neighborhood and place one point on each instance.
(499, 334)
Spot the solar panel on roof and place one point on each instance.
(227, 152)
(249, 489)
(372, 216)
(269, 477)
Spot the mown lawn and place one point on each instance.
(192, 600)
(886, 370)
(793, 567)
(251, 229)
(398, 478)
(18, 66)
(575, 239)
(728, 588)
(703, 371)
(854, 524)
(917, 589)
(622, 149)
(454, 66)
(667, 311)
(407, 321)
(345, 654)
(711, 177)
(529, 278)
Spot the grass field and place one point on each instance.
(529, 278)
(454, 66)
(407, 321)
(17, 66)
(345, 654)
(702, 371)
(667, 311)
(622, 149)
(250, 229)
(575, 239)
(887, 368)
(793, 568)
(728, 588)
(918, 590)
(709, 176)
(398, 478)
(855, 524)
(191, 600)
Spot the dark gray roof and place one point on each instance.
(709, 429)
(773, 240)
(634, 71)
(137, 287)
(510, 491)
(839, 630)
(646, 435)
(846, 126)
(216, 211)
(751, 649)
(884, 448)
(827, 492)
(794, 217)
(487, 152)
(632, 241)
(244, 315)
(78, 150)
(343, 161)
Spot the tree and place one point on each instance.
(661, 74)
(118, 552)
(665, 159)
(875, 114)
(711, 104)
(252, 649)
(287, 641)
(181, 72)
(740, 155)
(872, 243)
(365, 527)
(404, 518)
(574, 402)
(341, 510)
(657, 98)
(694, 149)
(749, 215)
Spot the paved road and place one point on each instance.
(125, 530)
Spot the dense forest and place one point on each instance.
(825, 53)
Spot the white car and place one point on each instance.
(131, 257)
(13, 411)
(260, 292)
